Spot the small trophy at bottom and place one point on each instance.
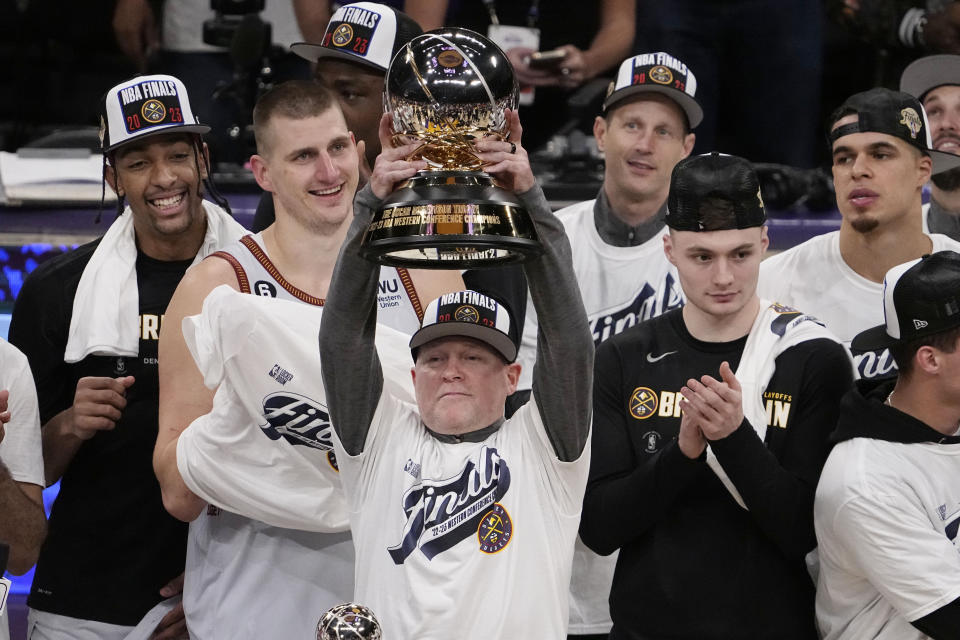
(348, 621)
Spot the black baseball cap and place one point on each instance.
(894, 113)
(657, 72)
(469, 314)
(714, 192)
(925, 74)
(367, 33)
(920, 298)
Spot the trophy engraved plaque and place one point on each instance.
(445, 89)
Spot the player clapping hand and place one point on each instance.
(715, 406)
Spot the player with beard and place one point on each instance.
(308, 161)
(935, 81)
(882, 157)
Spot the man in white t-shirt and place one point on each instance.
(464, 522)
(23, 524)
(616, 240)
(887, 510)
(882, 157)
(935, 81)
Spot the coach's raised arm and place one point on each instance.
(448, 476)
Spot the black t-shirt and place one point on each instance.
(693, 563)
(111, 545)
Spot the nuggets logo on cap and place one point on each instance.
(343, 35)
(911, 120)
(153, 111)
(467, 314)
(661, 75)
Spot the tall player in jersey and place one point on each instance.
(308, 160)
(702, 477)
(624, 278)
(882, 157)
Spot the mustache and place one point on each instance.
(944, 137)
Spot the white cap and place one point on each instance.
(146, 106)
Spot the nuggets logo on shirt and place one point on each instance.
(442, 513)
(495, 530)
(643, 403)
(297, 419)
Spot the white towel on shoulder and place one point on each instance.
(107, 303)
(773, 332)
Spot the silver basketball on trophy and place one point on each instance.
(446, 89)
(348, 621)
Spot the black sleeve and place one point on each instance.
(38, 328)
(942, 624)
(624, 500)
(506, 284)
(779, 489)
(351, 369)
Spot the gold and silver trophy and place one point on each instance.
(348, 621)
(446, 89)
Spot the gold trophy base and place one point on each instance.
(450, 220)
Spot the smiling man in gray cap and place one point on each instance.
(935, 81)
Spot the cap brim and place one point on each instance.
(943, 161)
(873, 339)
(200, 129)
(688, 104)
(499, 341)
(928, 73)
(316, 52)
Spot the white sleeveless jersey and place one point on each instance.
(620, 287)
(398, 305)
(469, 540)
(245, 578)
(814, 277)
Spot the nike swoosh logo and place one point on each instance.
(652, 358)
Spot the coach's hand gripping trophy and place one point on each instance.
(348, 621)
(447, 88)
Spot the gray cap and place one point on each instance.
(925, 74)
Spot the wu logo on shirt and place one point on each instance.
(648, 303)
(441, 513)
(298, 419)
